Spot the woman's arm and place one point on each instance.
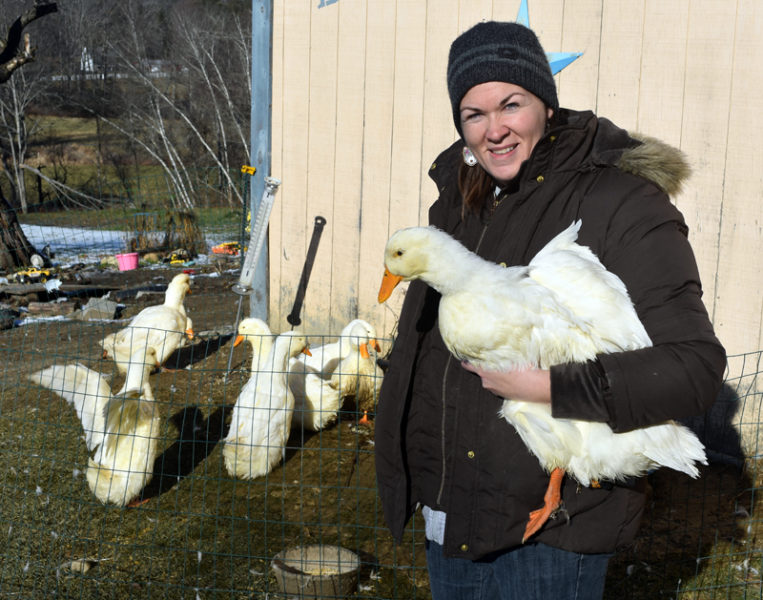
(644, 242)
(530, 385)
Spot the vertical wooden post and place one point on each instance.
(262, 36)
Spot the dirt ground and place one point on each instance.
(202, 534)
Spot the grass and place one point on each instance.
(202, 534)
(58, 129)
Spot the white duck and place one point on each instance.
(165, 327)
(262, 414)
(357, 374)
(258, 334)
(563, 307)
(316, 401)
(335, 370)
(122, 428)
(86, 390)
(325, 358)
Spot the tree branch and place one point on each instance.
(12, 54)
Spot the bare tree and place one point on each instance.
(190, 109)
(15, 249)
(16, 129)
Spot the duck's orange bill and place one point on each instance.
(389, 283)
(365, 349)
(306, 350)
(189, 333)
(238, 340)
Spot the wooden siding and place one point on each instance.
(360, 110)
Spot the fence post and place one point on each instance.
(262, 31)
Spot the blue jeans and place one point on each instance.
(531, 572)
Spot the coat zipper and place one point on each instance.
(444, 386)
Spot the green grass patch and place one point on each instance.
(65, 129)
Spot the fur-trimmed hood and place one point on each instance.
(658, 162)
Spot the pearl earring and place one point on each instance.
(469, 158)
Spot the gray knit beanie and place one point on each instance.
(494, 51)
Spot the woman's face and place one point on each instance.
(501, 123)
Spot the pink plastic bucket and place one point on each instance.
(128, 261)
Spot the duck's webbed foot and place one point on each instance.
(552, 505)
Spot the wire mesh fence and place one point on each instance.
(195, 530)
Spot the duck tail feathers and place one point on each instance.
(677, 447)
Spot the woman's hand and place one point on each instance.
(530, 385)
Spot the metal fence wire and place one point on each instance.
(178, 524)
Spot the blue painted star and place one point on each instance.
(557, 60)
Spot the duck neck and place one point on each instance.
(451, 268)
(173, 297)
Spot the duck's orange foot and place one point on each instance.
(137, 502)
(364, 419)
(537, 519)
(552, 503)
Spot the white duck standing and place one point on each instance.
(122, 428)
(564, 306)
(123, 464)
(260, 338)
(262, 415)
(321, 381)
(165, 327)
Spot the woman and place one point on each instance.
(522, 172)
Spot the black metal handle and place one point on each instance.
(293, 317)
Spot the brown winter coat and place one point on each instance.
(439, 439)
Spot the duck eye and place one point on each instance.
(399, 253)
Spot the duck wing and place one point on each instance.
(86, 390)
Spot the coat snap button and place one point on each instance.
(539, 178)
(464, 547)
(470, 454)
